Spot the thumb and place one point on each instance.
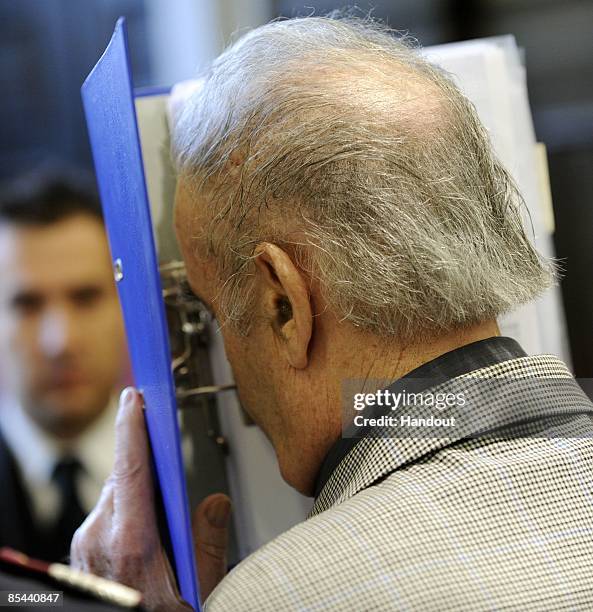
(211, 534)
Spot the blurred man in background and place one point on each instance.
(62, 358)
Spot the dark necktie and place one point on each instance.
(71, 513)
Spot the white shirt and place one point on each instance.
(36, 454)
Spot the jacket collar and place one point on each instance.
(512, 391)
(461, 360)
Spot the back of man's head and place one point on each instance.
(369, 165)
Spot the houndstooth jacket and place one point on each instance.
(462, 522)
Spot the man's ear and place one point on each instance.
(286, 300)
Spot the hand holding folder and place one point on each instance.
(120, 539)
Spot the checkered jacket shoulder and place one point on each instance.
(467, 522)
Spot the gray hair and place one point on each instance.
(369, 166)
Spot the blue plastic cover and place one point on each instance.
(108, 100)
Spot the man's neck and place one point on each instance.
(469, 356)
(378, 360)
(390, 360)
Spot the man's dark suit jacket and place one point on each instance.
(18, 528)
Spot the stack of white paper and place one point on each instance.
(491, 74)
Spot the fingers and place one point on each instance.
(116, 524)
(120, 540)
(91, 535)
(211, 534)
(131, 476)
(131, 445)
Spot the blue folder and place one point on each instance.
(108, 100)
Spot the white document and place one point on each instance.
(491, 74)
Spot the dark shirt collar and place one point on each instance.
(474, 356)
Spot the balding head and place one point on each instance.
(339, 142)
(339, 205)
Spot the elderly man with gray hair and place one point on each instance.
(341, 212)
